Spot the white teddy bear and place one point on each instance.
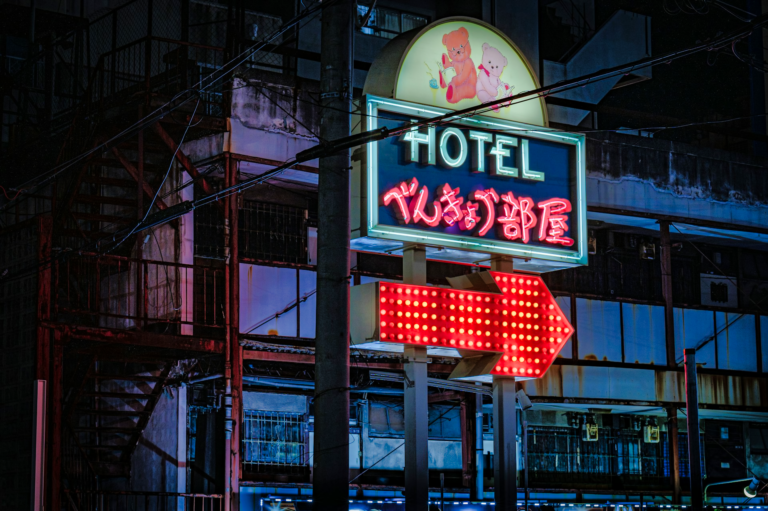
(489, 85)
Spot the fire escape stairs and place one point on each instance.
(109, 409)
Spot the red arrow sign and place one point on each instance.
(523, 322)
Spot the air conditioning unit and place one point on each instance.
(647, 250)
(651, 434)
(589, 432)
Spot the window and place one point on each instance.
(758, 439)
(387, 23)
(273, 438)
(386, 419)
(445, 422)
(277, 301)
(272, 232)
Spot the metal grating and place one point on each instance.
(273, 232)
(619, 457)
(274, 442)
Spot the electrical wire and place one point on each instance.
(185, 207)
(165, 178)
(169, 106)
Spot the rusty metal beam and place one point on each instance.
(149, 407)
(666, 290)
(446, 396)
(43, 347)
(134, 172)
(678, 219)
(184, 160)
(297, 358)
(141, 339)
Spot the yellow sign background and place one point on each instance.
(418, 78)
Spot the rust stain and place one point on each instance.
(590, 357)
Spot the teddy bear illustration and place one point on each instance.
(462, 85)
(489, 85)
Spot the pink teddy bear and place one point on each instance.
(489, 71)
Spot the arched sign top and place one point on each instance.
(456, 63)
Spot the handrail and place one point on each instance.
(103, 257)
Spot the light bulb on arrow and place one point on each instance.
(513, 327)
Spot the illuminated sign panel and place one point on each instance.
(521, 324)
(478, 184)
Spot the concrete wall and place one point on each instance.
(657, 176)
(155, 464)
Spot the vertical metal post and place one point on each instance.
(234, 336)
(228, 423)
(504, 426)
(479, 460)
(416, 398)
(140, 290)
(504, 443)
(674, 458)
(442, 491)
(148, 53)
(666, 290)
(416, 429)
(39, 407)
(525, 458)
(181, 446)
(56, 403)
(692, 413)
(331, 461)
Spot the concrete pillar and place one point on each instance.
(415, 398)
(504, 443)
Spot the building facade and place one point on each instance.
(182, 357)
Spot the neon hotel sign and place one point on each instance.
(477, 183)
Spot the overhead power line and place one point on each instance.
(335, 146)
(331, 147)
(32, 185)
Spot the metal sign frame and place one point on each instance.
(576, 255)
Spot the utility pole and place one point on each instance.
(692, 414)
(331, 447)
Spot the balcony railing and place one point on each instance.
(124, 293)
(74, 500)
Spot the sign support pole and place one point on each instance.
(415, 397)
(504, 443)
(504, 426)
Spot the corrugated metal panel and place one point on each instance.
(265, 291)
(736, 346)
(599, 330)
(695, 329)
(764, 341)
(307, 308)
(644, 337)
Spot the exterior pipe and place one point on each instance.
(706, 488)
